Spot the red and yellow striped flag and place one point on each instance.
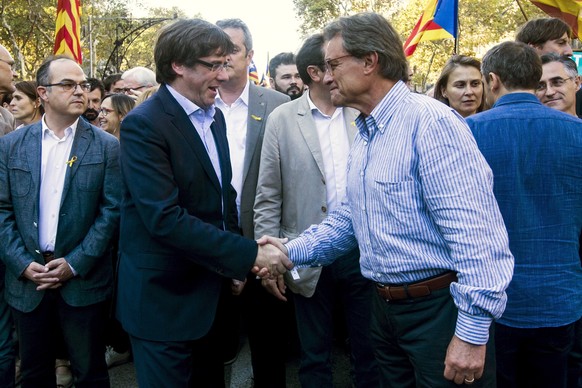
(569, 11)
(68, 29)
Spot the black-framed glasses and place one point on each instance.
(554, 83)
(212, 66)
(68, 86)
(330, 67)
(105, 111)
(9, 63)
(127, 90)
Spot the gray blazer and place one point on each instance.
(262, 101)
(7, 123)
(291, 192)
(88, 216)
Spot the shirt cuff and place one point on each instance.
(297, 252)
(473, 329)
(72, 269)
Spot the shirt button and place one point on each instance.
(323, 209)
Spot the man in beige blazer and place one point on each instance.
(302, 177)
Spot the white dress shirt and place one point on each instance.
(236, 117)
(55, 154)
(335, 147)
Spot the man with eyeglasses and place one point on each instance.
(559, 83)
(535, 153)
(59, 208)
(419, 205)
(136, 80)
(179, 235)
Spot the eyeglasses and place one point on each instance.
(68, 86)
(127, 90)
(212, 66)
(554, 83)
(329, 67)
(105, 111)
(9, 63)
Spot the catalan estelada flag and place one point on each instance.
(253, 74)
(68, 29)
(567, 10)
(438, 21)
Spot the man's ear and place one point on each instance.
(494, 81)
(370, 62)
(315, 73)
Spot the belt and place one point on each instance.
(416, 290)
(48, 256)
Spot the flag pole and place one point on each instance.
(521, 9)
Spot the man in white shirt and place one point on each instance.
(301, 179)
(246, 107)
(59, 208)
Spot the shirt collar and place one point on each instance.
(71, 129)
(188, 106)
(313, 107)
(383, 112)
(244, 96)
(511, 98)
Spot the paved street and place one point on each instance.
(239, 374)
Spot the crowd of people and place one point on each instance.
(147, 215)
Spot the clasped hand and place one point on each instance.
(272, 259)
(49, 276)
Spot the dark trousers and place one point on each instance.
(82, 329)
(184, 364)
(533, 357)
(343, 283)
(267, 318)
(575, 358)
(411, 339)
(6, 340)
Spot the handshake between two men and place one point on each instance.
(272, 259)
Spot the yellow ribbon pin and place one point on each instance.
(71, 161)
(256, 118)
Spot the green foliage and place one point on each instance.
(27, 29)
(482, 24)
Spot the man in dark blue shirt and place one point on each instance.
(535, 153)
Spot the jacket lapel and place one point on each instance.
(256, 122)
(183, 125)
(309, 132)
(81, 143)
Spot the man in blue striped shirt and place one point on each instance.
(420, 206)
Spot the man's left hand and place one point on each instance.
(58, 270)
(464, 362)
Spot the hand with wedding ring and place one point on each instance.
(464, 362)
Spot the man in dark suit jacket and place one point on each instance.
(179, 236)
(59, 206)
(246, 107)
